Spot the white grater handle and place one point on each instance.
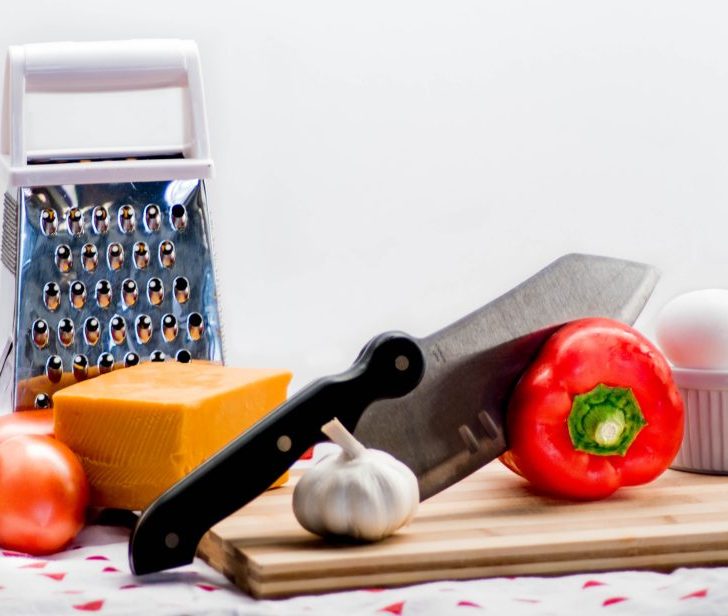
(98, 67)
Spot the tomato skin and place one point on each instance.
(26, 422)
(577, 358)
(44, 493)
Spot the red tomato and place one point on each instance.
(43, 494)
(26, 422)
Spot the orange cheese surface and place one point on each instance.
(139, 430)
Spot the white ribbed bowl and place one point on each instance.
(705, 445)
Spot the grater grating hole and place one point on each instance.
(181, 288)
(152, 218)
(42, 401)
(100, 220)
(155, 291)
(80, 367)
(127, 219)
(103, 293)
(48, 222)
(183, 356)
(169, 327)
(178, 217)
(89, 257)
(167, 254)
(51, 296)
(117, 328)
(92, 330)
(77, 294)
(115, 256)
(143, 328)
(157, 355)
(54, 368)
(66, 332)
(105, 363)
(129, 292)
(195, 326)
(141, 255)
(64, 258)
(131, 359)
(39, 333)
(74, 221)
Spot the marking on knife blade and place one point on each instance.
(487, 421)
(438, 354)
(467, 435)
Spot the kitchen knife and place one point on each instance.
(436, 403)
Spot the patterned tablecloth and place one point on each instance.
(93, 576)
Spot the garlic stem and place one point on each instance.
(338, 434)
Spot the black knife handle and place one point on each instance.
(168, 531)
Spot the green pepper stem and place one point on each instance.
(605, 421)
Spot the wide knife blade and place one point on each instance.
(452, 423)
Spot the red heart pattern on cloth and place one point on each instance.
(35, 565)
(613, 600)
(90, 606)
(697, 594)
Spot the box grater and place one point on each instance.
(106, 255)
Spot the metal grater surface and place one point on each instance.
(109, 275)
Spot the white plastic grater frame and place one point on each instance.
(99, 67)
(104, 66)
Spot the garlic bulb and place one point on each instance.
(362, 493)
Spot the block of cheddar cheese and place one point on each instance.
(139, 430)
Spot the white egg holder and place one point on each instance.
(705, 444)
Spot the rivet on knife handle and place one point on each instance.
(168, 531)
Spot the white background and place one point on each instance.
(394, 165)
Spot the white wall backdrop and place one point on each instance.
(390, 164)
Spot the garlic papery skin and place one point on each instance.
(365, 494)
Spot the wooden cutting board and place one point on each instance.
(490, 524)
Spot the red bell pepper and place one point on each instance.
(596, 410)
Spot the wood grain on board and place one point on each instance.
(490, 524)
